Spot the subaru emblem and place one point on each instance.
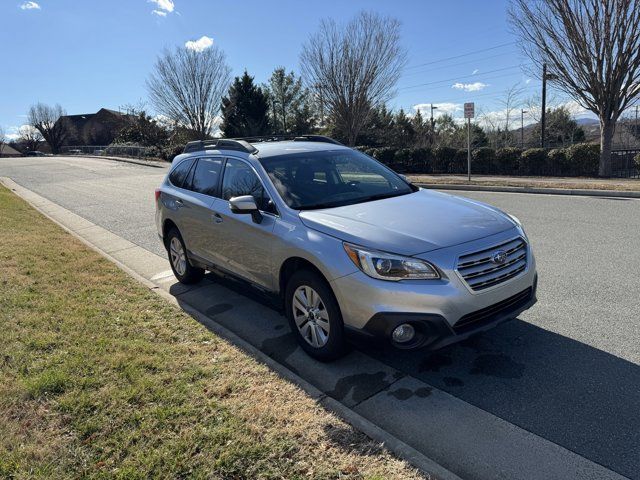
(499, 257)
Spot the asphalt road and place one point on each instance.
(568, 370)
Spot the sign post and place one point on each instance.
(469, 113)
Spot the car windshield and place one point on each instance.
(332, 178)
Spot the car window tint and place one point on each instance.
(206, 176)
(179, 174)
(239, 179)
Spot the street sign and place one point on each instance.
(469, 110)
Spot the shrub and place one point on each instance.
(583, 159)
(443, 157)
(384, 154)
(402, 159)
(557, 161)
(532, 161)
(421, 160)
(459, 163)
(507, 161)
(636, 160)
(482, 160)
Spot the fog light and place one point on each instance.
(403, 333)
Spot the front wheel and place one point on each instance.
(182, 269)
(314, 316)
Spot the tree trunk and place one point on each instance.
(607, 127)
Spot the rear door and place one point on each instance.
(198, 217)
(245, 244)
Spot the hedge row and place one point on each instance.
(577, 160)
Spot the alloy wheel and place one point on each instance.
(178, 256)
(311, 316)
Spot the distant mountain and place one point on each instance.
(587, 121)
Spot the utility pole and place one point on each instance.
(544, 104)
(433, 124)
(522, 112)
(636, 131)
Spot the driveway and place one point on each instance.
(564, 377)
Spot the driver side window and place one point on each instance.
(240, 179)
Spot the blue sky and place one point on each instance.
(95, 53)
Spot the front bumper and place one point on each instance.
(442, 312)
(433, 331)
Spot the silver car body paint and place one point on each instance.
(429, 225)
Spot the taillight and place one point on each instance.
(157, 194)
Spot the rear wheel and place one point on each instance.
(314, 316)
(182, 269)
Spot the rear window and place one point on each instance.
(179, 174)
(206, 176)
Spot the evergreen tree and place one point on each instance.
(561, 129)
(245, 109)
(290, 107)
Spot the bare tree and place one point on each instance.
(30, 137)
(354, 67)
(187, 86)
(591, 51)
(44, 118)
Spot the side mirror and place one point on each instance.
(245, 204)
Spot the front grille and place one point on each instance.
(481, 271)
(489, 314)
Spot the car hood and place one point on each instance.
(410, 224)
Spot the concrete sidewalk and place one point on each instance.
(435, 431)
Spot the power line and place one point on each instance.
(453, 79)
(467, 62)
(462, 55)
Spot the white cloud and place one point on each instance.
(199, 45)
(30, 6)
(475, 71)
(470, 87)
(440, 109)
(163, 7)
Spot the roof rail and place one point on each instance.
(291, 137)
(220, 144)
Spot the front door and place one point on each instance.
(245, 244)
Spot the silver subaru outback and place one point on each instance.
(349, 245)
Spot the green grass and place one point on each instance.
(99, 377)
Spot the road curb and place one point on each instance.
(540, 191)
(150, 163)
(390, 442)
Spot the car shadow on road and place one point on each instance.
(572, 394)
(565, 391)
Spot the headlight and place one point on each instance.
(387, 266)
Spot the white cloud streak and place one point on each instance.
(30, 6)
(199, 45)
(470, 87)
(163, 7)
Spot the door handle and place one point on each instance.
(217, 218)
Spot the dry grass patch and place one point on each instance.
(99, 378)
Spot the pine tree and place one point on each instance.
(290, 104)
(245, 109)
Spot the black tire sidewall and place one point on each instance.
(336, 345)
(192, 274)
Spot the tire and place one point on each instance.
(177, 252)
(314, 315)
